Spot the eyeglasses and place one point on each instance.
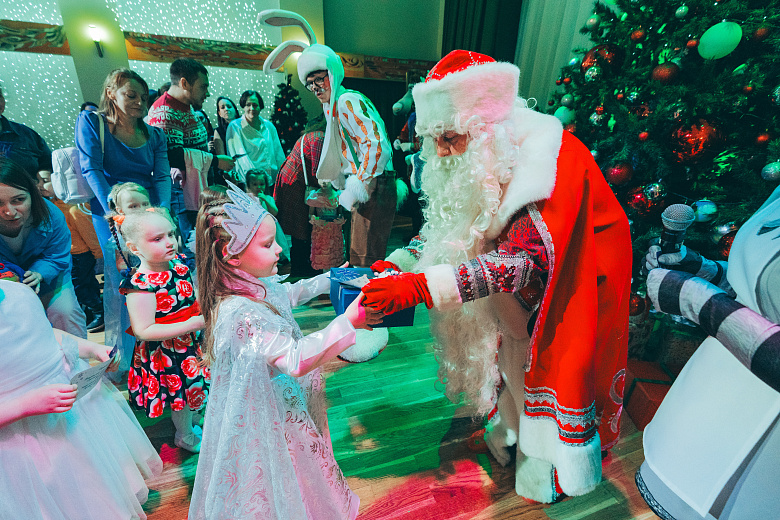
(318, 82)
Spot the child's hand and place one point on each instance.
(197, 322)
(55, 398)
(33, 280)
(362, 317)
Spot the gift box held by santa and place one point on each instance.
(525, 262)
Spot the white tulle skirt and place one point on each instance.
(87, 463)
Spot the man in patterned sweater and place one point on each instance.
(187, 137)
(526, 256)
(356, 154)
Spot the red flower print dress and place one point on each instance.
(167, 373)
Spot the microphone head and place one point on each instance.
(678, 217)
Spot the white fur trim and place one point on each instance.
(354, 191)
(534, 478)
(579, 467)
(401, 194)
(403, 259)
(443, 287)
(533, 178)
(368, 345)
(488, 90)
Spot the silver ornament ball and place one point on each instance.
(593, 73)
(722, 229)
(655, 191)
(574, 62)
(771, 172)
(681, 12)
(596, 119)
(567, 100)
(705, 210)
(593, 22)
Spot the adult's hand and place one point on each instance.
(225, 162)
(33, 280)
(394, 293)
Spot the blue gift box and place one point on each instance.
(341, 295)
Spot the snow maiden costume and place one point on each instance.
(712, 448)
(553, 268)
(266, 426)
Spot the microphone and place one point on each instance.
(676, 219)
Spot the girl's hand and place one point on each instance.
(55, 398)
(197, 322)
(362, 317)
(33, 280)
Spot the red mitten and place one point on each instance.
(382, 265)
(394, 293)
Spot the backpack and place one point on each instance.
(67, 180)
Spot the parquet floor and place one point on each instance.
(402, 445)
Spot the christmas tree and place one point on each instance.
(289, 116)
(680, 103)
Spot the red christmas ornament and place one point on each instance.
(643, 136)
(619, 174)
(638, 201)
(692, 44)
(571, 128)
(725, 243)
(558, 81)
(551, 102)
(666, 73)
(763, 138)
(638, 35)
(636, 305)
(620, 96)
(600, 109)
(747, 89)
(640, 111)
(691, 145)
(606, 55)
(567, 81)
(761, 34)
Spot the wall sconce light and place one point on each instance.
(94, 33)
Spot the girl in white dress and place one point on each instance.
(60, 458)
(266, 450)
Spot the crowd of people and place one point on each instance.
(524, 259)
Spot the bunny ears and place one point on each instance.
(282, 18)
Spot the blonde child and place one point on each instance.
(165, 316)
(327, 237)
(257, 186)
(266, 427)
(124, 198)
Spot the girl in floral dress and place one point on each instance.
(165, 317)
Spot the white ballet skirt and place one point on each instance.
(88, 463)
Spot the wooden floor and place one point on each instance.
(402, 445)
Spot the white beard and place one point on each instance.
(462, 197)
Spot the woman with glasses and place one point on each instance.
(253, 141)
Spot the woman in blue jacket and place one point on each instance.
(131, 151)
(34, 237)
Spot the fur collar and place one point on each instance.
(539, 137)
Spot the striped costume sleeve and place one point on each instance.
(362, 123)
(751, 338)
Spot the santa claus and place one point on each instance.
(525, 260)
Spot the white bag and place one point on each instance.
(67, 180)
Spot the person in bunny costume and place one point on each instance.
(356, 153)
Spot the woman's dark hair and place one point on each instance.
(221, 123)
(11, 174)
(316, 124)
(209, 128)
(249, 93)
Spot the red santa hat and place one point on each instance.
(465, 84)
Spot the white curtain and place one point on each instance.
(548, 35)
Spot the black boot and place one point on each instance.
(97, 324)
